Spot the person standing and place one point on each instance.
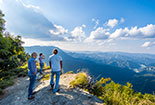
(55, 62)
(32, 74)
(41, 57)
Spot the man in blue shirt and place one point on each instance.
(55, 62)
(32, 74)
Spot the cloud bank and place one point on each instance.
(148, 44)
(29, 21)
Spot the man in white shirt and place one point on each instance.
(55, 62)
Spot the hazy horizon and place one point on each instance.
(77, 51)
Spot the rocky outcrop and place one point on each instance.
(17, 94)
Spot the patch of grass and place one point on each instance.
(46, 67)
(69, 72)
(22, 74)
(6, 82)
(7, 77)
(81, 80)
(46, 77)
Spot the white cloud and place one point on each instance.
(148, 31)
(28, 5)
(33, 42)
(59, 30)
(83, 25)
(118, 33)
(143, 32)
(1, 2)
(78, 33)
(32, 23)
(99, 34)
(104, 42)
(70, 46)
(34, 7)
(148, 44)
(96, 22)
(122, 20)
(112, 23)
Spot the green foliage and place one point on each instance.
(7, 77)
(112, 93)
(2, 21)
(70, 72)
(46, 67)
(97, 87)
(12, 52)
(81, 80)
(47, 77)
(12, 57)
(6, 82)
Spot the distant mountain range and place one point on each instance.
(134, 61)
(138, 69)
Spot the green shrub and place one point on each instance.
(69, 72)
(12, 56)
(81, 80)
(22, 74)
(46, 77)
(7, 77)
(6, 82)
(97, 88)
(46, 67)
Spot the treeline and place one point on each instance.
(12, 56)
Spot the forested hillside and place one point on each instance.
(12, 56)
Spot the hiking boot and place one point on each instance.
(52, 85)
(30, 98)
(58, 90)
(54, 91)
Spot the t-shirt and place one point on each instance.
(32, 66)
(40, 59)
(55, 62)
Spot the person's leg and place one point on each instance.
(33, 82)
(30, 90)
(41, 67)
(52, 79)
(57, 81)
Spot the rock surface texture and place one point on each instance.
(17, 94)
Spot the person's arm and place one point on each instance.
(43, 57)
(49, 59)
(33, 67)
(50, 64)
(61, 67)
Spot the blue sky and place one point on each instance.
(84, 25)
